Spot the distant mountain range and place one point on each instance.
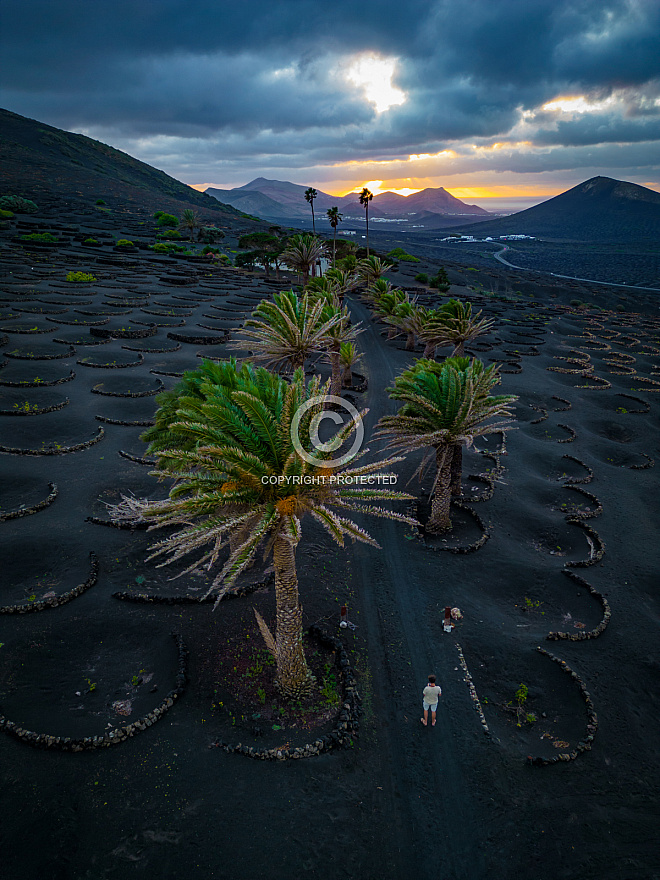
(601, 208)
(280, 200)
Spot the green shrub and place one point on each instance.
(39, 236)
(398, 253)
(576, 302)
(90, 241)
(99, 202)
(6, 215)
(210, 234)
(210, 250)
(169, 233)
(422, 278)
(80, 277)
(124, 242)
(18, 205)
(167, 220)
(440, 281)
(167, 247)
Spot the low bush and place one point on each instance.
(6, 215)
(90, 241)
(80, 277)
(398, 253)
(167, 247)
(210, 234)
(99, 202)
(124, 242)
(440, 281)
(422, 278)
(18, 205)
(167, 220)
(39, 236)
(169, 233)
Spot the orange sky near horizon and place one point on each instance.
(465, 193)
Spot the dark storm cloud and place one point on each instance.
(267, 79)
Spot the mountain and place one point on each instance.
(255, 203)
(434, 199)
(41, 162)
(286, 201)
(598, 209)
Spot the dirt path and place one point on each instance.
(438, 805)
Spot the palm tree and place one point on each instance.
(365, 197)
(335, 219)
(370, 269)
(302, 252)
(410, 318)
(444, 406)
(229, 450)
(310, 195)
(190, 220)
(349, 357)
(454, 324)
(386, 304)
(283, 332)
(338, 333)
(343, 281)
(375, 290)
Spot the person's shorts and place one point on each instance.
(431, 706)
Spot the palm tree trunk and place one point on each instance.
(367, 219)
(335, 382)
(294, 677)
(429, 350)
(459, 349)
(440, 520)
(334, 245)
(410, 342)
(457, 470)
(347, 378)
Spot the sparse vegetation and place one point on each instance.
(18, 204)
(80, 277)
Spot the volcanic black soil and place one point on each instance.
(572, 491)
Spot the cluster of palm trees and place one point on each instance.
(445, 405)
(226, 437)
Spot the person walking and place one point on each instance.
(430, 700)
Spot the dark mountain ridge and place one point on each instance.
(39, 161)
(601, 208)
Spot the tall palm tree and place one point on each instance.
(365, 197)
(302, 252)
(454, 324)
(229, 451)
(310, 195)
(444, 405)
(335, 219)
(283, 332)
(190, 219)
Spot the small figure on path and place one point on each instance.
(430, 700)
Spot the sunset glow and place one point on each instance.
(578, 104)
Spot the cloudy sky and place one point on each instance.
(489, 98)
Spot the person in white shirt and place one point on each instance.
(430, 700)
